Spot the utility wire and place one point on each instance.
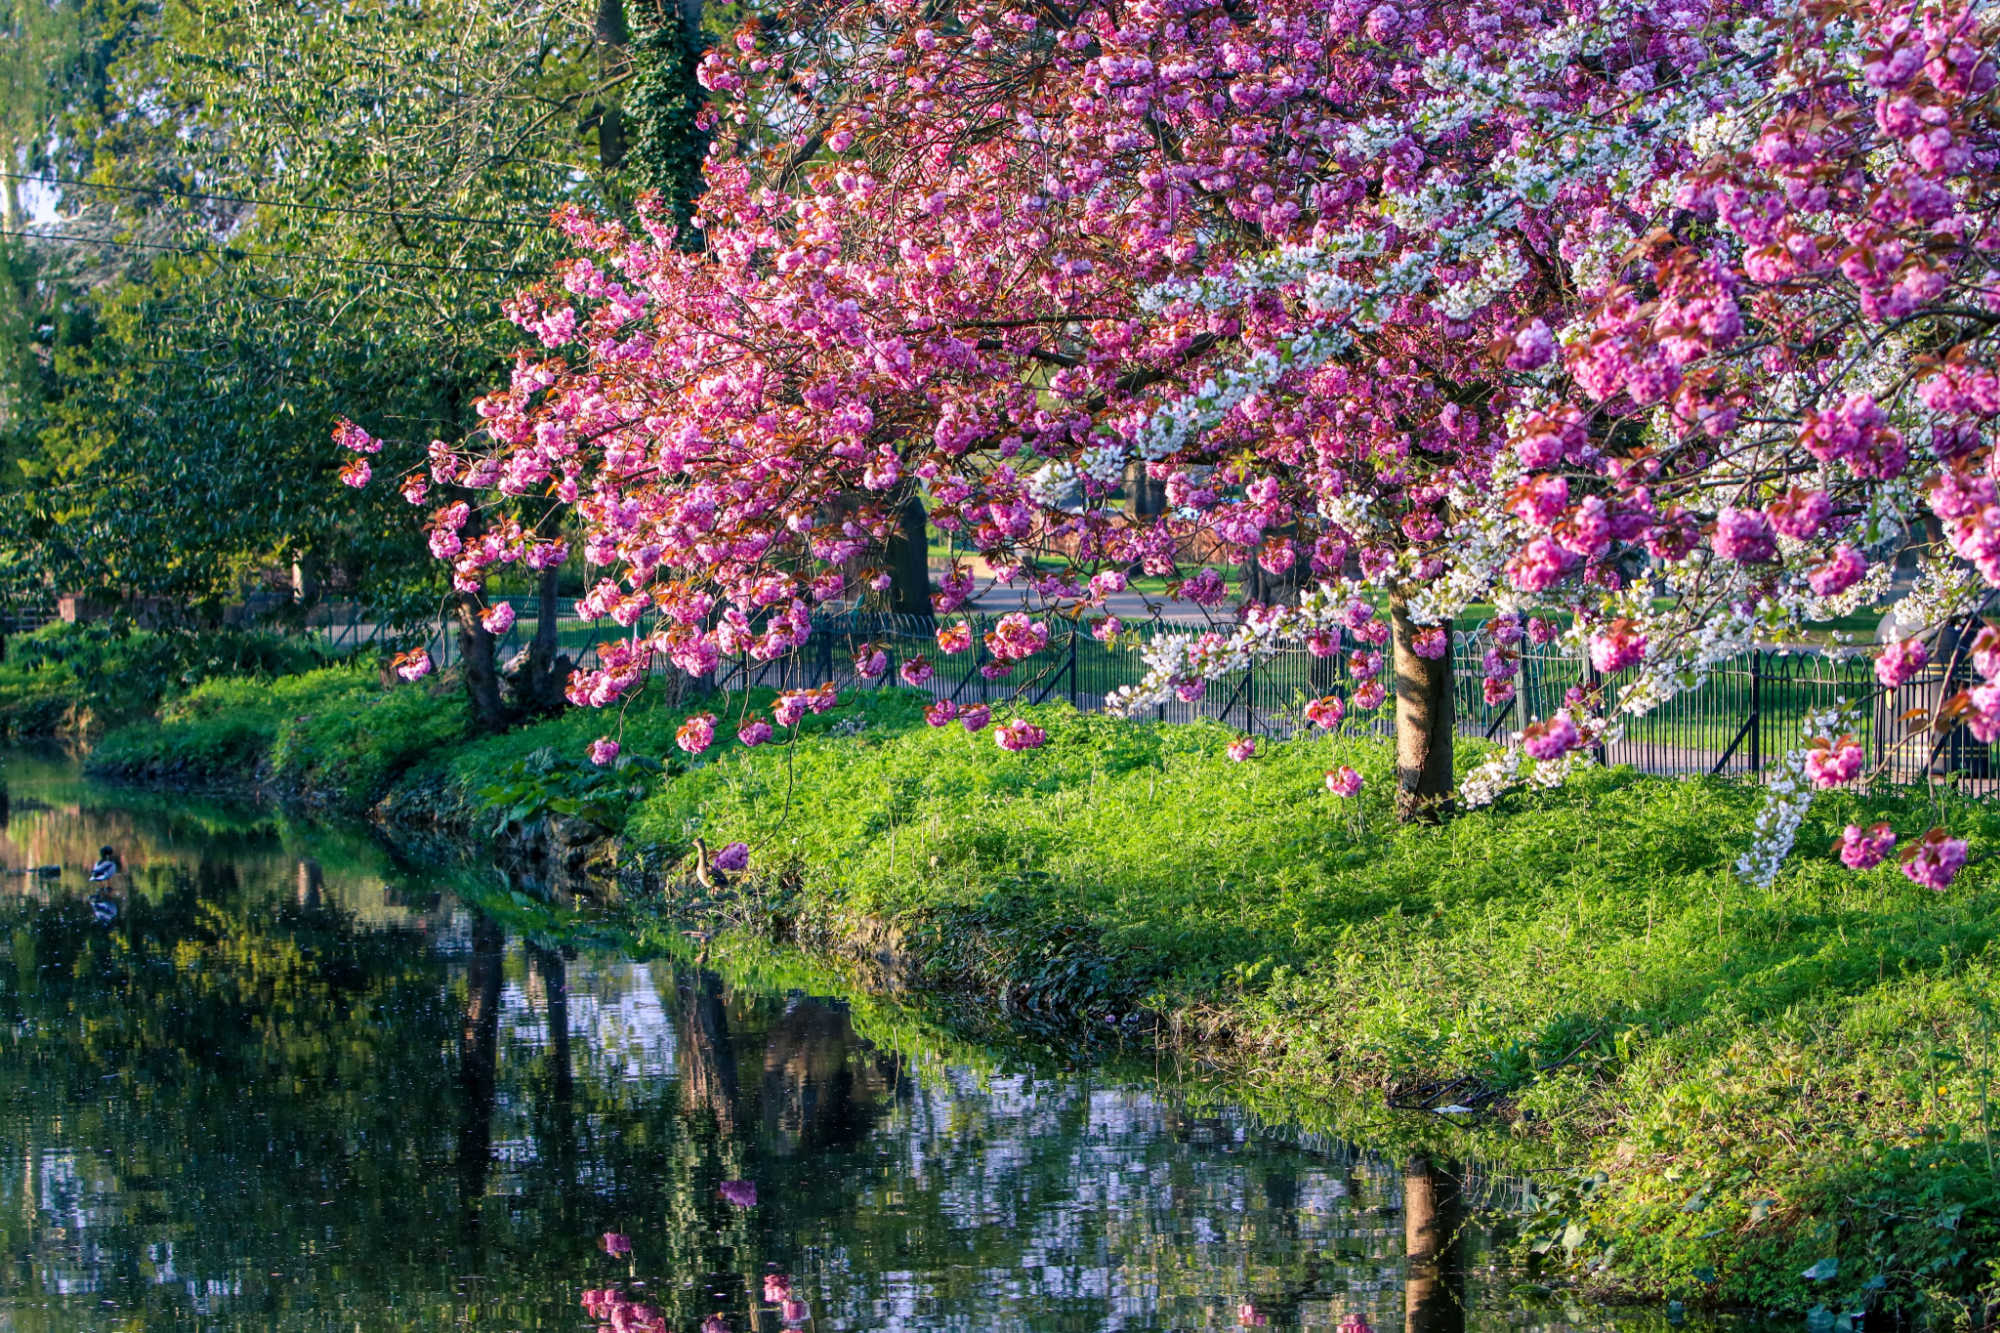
(354, 210)
(233, 252)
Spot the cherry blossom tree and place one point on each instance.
(1671, 316)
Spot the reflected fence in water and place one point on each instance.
(1742, 720)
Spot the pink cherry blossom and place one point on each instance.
(1985, 652)
(1934, 862)
(732, 857)
(1551, 739)
(974, 717)
(1019, 734)
(754, 732)
(1282, 270)
(1863, 849)
(1617, 646)
(1745, 536)
(1834, 764)
(1326, 712)
(1842, 570)
(940, 713)
(1900, 662)
(916, 671)
(696, 734)
(603, 750)
(1015, 637)
(414, 664)
(1242, 748)
(498, 618)
(1343, 781)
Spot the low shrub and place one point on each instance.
(66, 679)
(334, 736)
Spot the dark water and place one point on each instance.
(295, 1084)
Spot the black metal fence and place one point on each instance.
(1743, 718)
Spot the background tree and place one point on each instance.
(266, 215)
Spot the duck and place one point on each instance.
(705, 872)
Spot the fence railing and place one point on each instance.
(1742, 719)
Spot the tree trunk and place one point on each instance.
(612, 61)
(910, 561)
(538, 686)
(1423, 725)
(482, 676)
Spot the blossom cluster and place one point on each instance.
(1681, 341)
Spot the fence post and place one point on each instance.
(1072, 666)
(1250, 699)
(1756, 710)
(1597, 689)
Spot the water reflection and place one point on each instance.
(295, 1086)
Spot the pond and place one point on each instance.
(293, 1082)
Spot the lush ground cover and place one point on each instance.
(1761, 1083)
(334, 736)
(79, 680)
(1724, 1089)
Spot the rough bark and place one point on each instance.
(480, 672)
(538, 685)
(1423, 725)
(910, 562)
(612, 36)
(1145, 497)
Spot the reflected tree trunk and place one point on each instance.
(478, 1055)
(1434, 1284)
(554, 973)
(556, 1135)
(312, 882)
(707, 1061)
(821, 1086)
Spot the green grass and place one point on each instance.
(80, 680)
(1764, 1078)
(335, 736)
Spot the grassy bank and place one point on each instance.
(78, 681)
(1724, 1089)
(1759, 1083)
